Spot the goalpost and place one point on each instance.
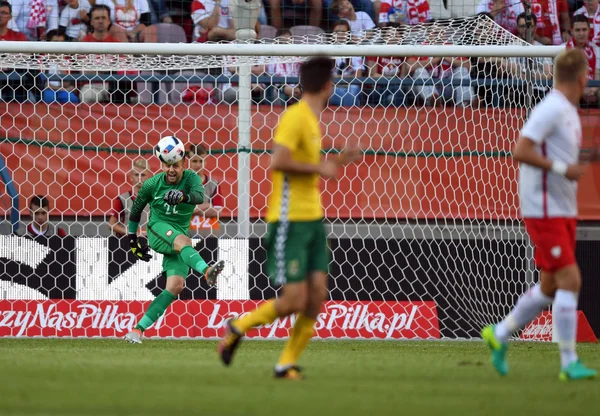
(425, 234)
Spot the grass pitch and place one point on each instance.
(109, 377)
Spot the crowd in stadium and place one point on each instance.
(576, 23)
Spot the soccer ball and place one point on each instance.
(170, 150)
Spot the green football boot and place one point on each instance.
(498, 349)
(576, 371)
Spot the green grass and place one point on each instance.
(109, 377)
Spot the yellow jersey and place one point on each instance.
(296, 196)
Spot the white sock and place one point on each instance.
(529, 305)
(565, 318)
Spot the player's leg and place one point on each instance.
(568, 283)
(528, 307)
(530, 304)
(188, 254)
(163, 239)
(175, 284)
(292, 300)
(303, 330)
(287, 261)
(176, 272)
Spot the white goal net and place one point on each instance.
(424, 232)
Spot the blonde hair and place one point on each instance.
(141, 164)
(569, 65)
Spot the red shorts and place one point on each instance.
(553, 240)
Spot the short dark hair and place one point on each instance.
(196, 149)
(56, 32)
(283, 32)
(4, 3)
(315, 74)
(342, 23)
(99, 7)
(524, 17)
(335, 6)
(579, 18)
(39, 201)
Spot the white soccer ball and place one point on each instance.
(170, 150)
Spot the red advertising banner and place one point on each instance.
(541, 328)
(206, 318)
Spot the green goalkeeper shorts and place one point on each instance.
(161, 237)
(295, 249)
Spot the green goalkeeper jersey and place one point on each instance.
(152, 192)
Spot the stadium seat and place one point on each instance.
(170, 33)
(306, 34)
(162, 92)
(267, 32)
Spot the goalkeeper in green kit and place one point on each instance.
(172, 195)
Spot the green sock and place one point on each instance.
(193, 259)
(156, 309)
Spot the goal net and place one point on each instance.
(424, 231)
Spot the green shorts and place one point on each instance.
(161, 237)
(295, 249)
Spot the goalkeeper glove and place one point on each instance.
(174, 197)
(139, 249)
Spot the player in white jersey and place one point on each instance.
(548, 156)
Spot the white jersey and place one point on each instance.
(555, 126)
(70, 18)
(201, 9)
(21, 10)
(363, 22)
(122, 16)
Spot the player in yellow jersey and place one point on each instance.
(296, 242)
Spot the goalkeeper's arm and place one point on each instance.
(139, 248)
(142, 199)
(195, 194)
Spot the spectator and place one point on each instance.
(5, 18)
(74, 19)
(36, 25)
(581, 40)
(402, 12)
(518, 67)
(130, 20)
(288, 13)
(99, 22)
(213, 21)
(359, 22)
(98, 91)
(388, 67)
(206, 215)
(285, 93)
(119, 216)
(591, 10)
(58, 91)
(504, 14)
(11, 88)
(552, 21)
(443, 71)
(345, 68)
(40, 226)
(229, 91)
